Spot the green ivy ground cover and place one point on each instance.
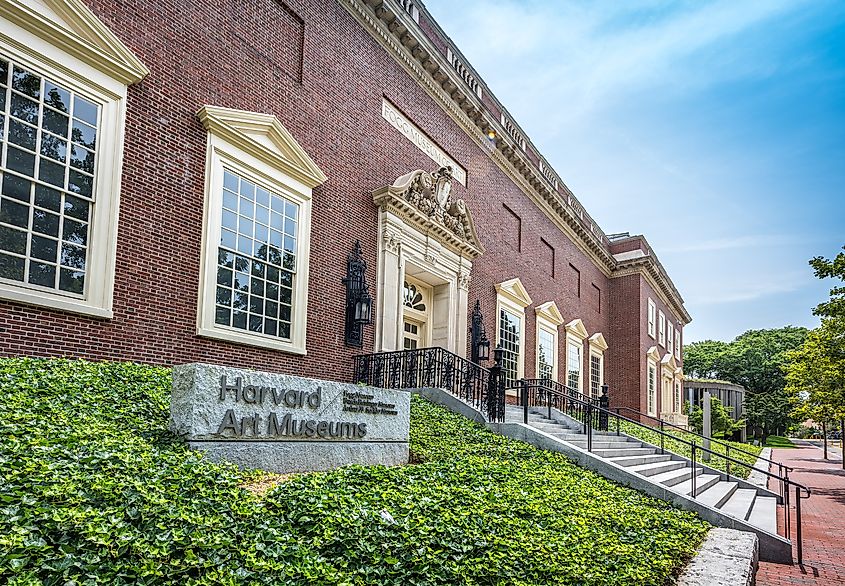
(94, 490)
(748, 455)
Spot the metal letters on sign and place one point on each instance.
(275, 425)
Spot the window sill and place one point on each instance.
(251, 340)
(46, 300)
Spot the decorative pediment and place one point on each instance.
(679, 373)
(514, 290)
(653, 353)
(264, 137)
(576, 328)
(425, 200)
(549, 312)
(669, 363)
(597, 341)
(71, 26)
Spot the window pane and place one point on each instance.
(245, 216)
(11, 267)
(42, 116)
(510, 326)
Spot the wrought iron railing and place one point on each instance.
(546, 394)
(434, 368)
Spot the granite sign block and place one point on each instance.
(283, 423)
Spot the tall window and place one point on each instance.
(678, 343)
(61, 130)
(546, 353)
(651, 313)
(256, 258)
(254, 283)
(670, 338)
(596, 374)
(652, 390)
(48, 179)
(573, 365)
(678, 400)
(510, 338)
(661, 332)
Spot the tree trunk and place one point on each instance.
(824, 438)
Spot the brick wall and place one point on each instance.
(311, 64)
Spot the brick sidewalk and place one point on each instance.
(823, 524)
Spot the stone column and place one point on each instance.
(389, 300)
(461, 323)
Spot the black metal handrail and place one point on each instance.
(663, 424)
(592, 416)
(433, 368)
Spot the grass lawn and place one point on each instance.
(682, 449)
(776, 441)
(95, 490)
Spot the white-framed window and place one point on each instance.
(652, 388)
(661, 331)
(546, 354)
(548, 320)
(254, 274)
(678, 399)
(670, 338)
(511, 301)
(573, 364)
(652, 308)
(62, 111)
(596, 373)
(510, 339)
(678, 346)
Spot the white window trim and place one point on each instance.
(549, 319)
(598, 346)
(515, 308)
(100, 71)
(670, 337)
(652, 309)
(661, 328)
(576, 333)
(512, 296)
(678, 346)
(284, 169)
(651, 388)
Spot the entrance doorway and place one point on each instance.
(415, 314)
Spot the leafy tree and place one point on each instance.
(825, 269)
(721, 420)
(769, 412)
(703, 359)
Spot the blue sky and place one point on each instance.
(717, 129)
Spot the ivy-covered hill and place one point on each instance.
(95, 490)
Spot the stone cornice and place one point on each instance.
(648, 268)
(401, 36)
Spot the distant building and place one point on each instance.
(731, 395)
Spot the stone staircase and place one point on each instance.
(727, 501)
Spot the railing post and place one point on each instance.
(493, 392)
(727, 461)
(798, 525)
(661, 437)
(617, 421)
(589, 425)
(692, 477)
(786, 514)
(604, 403)
(524, 391)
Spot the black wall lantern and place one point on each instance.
(359, 304)
(479, 341)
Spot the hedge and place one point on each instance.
(95, 490)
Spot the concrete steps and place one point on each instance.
(729, 499)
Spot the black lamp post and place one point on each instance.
(359, 304)
(479, 341)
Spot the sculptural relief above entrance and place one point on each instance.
(427, 244)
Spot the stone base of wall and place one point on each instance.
(727, 558)
(285, 457)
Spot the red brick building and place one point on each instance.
(183, 181)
